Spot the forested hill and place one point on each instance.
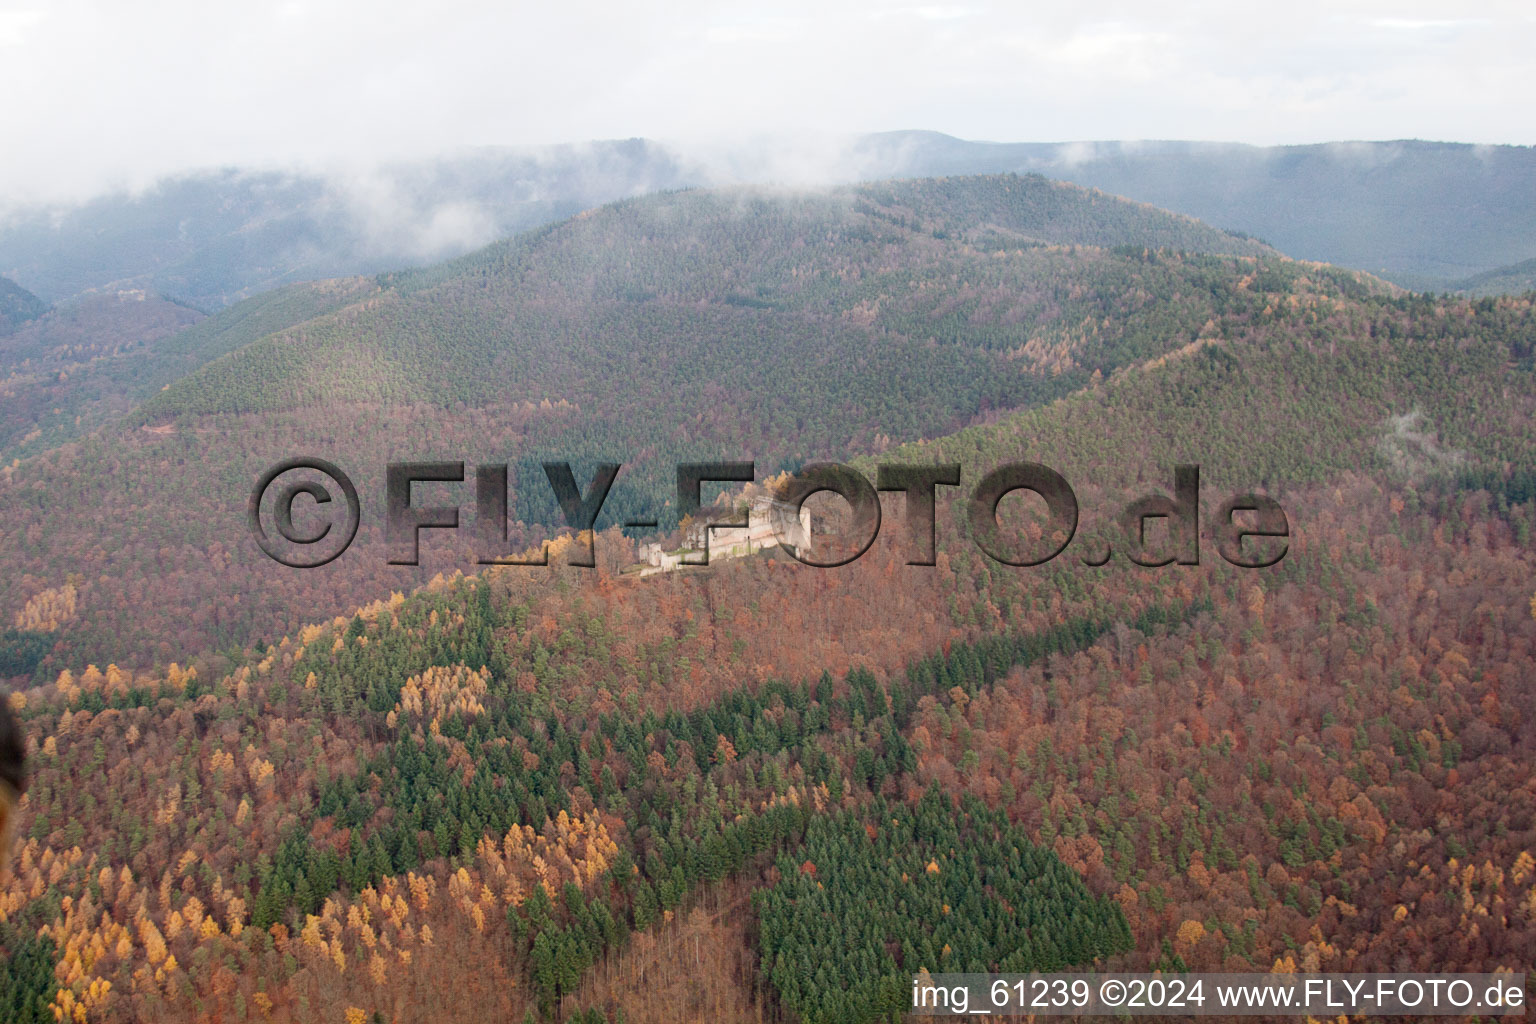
(17, 305)
(694, 326)
(998, 207)
(520, 318)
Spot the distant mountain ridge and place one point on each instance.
(215, 237)
(1424, 214)
(1517, 277)
(1421, 213)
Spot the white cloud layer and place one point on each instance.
(107, 93)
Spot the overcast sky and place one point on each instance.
(100, 94)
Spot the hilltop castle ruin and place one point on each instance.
(770, 523)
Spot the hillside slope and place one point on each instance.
(67, 371)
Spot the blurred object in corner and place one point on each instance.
(13, 775)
